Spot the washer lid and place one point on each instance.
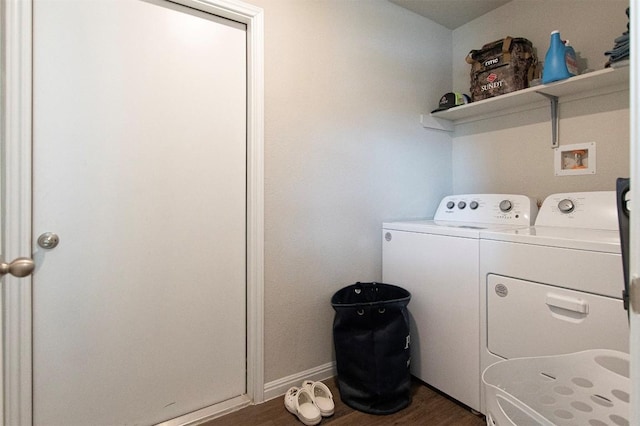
(600, 240)
(447, 228)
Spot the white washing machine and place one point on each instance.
(438, 262)
(556, 287)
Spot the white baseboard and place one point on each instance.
(272, 390)
(278, 387)
(208, 413)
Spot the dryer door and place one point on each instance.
(525, 318)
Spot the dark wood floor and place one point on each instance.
(428, 408)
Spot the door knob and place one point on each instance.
(20, 267)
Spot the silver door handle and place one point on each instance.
(20, 267)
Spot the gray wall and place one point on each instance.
(345, 84)
(344, 150)
(512, 153)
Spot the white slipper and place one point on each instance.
(322, 397)
(300, 402)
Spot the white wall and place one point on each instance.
(512, 153)
(345, 84)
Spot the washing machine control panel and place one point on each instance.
(508, 209)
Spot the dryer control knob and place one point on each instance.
(462, 205)
(473, 205)
(505, 206)
(451, 205)
(566, 206)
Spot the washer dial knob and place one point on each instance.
(505, 206)
(566, 206)
(462, 205)
(450, 205)
(473, 205)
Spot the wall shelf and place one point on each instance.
(595, 83)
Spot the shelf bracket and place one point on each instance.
(554, 119)
(430, 122)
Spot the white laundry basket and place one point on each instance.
(583, 388)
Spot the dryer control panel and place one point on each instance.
(593, 210)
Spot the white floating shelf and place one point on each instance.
(594, 83)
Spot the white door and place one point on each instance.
(573, 320)
(139, 162)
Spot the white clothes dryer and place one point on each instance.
(438, 262)
(556, 287)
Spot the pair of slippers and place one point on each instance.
(310, 402)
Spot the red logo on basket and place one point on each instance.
(491, 77)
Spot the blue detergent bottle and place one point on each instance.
(555, 64)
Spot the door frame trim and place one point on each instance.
(16, 402)
(16, 226)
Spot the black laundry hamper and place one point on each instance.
(371, 338)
